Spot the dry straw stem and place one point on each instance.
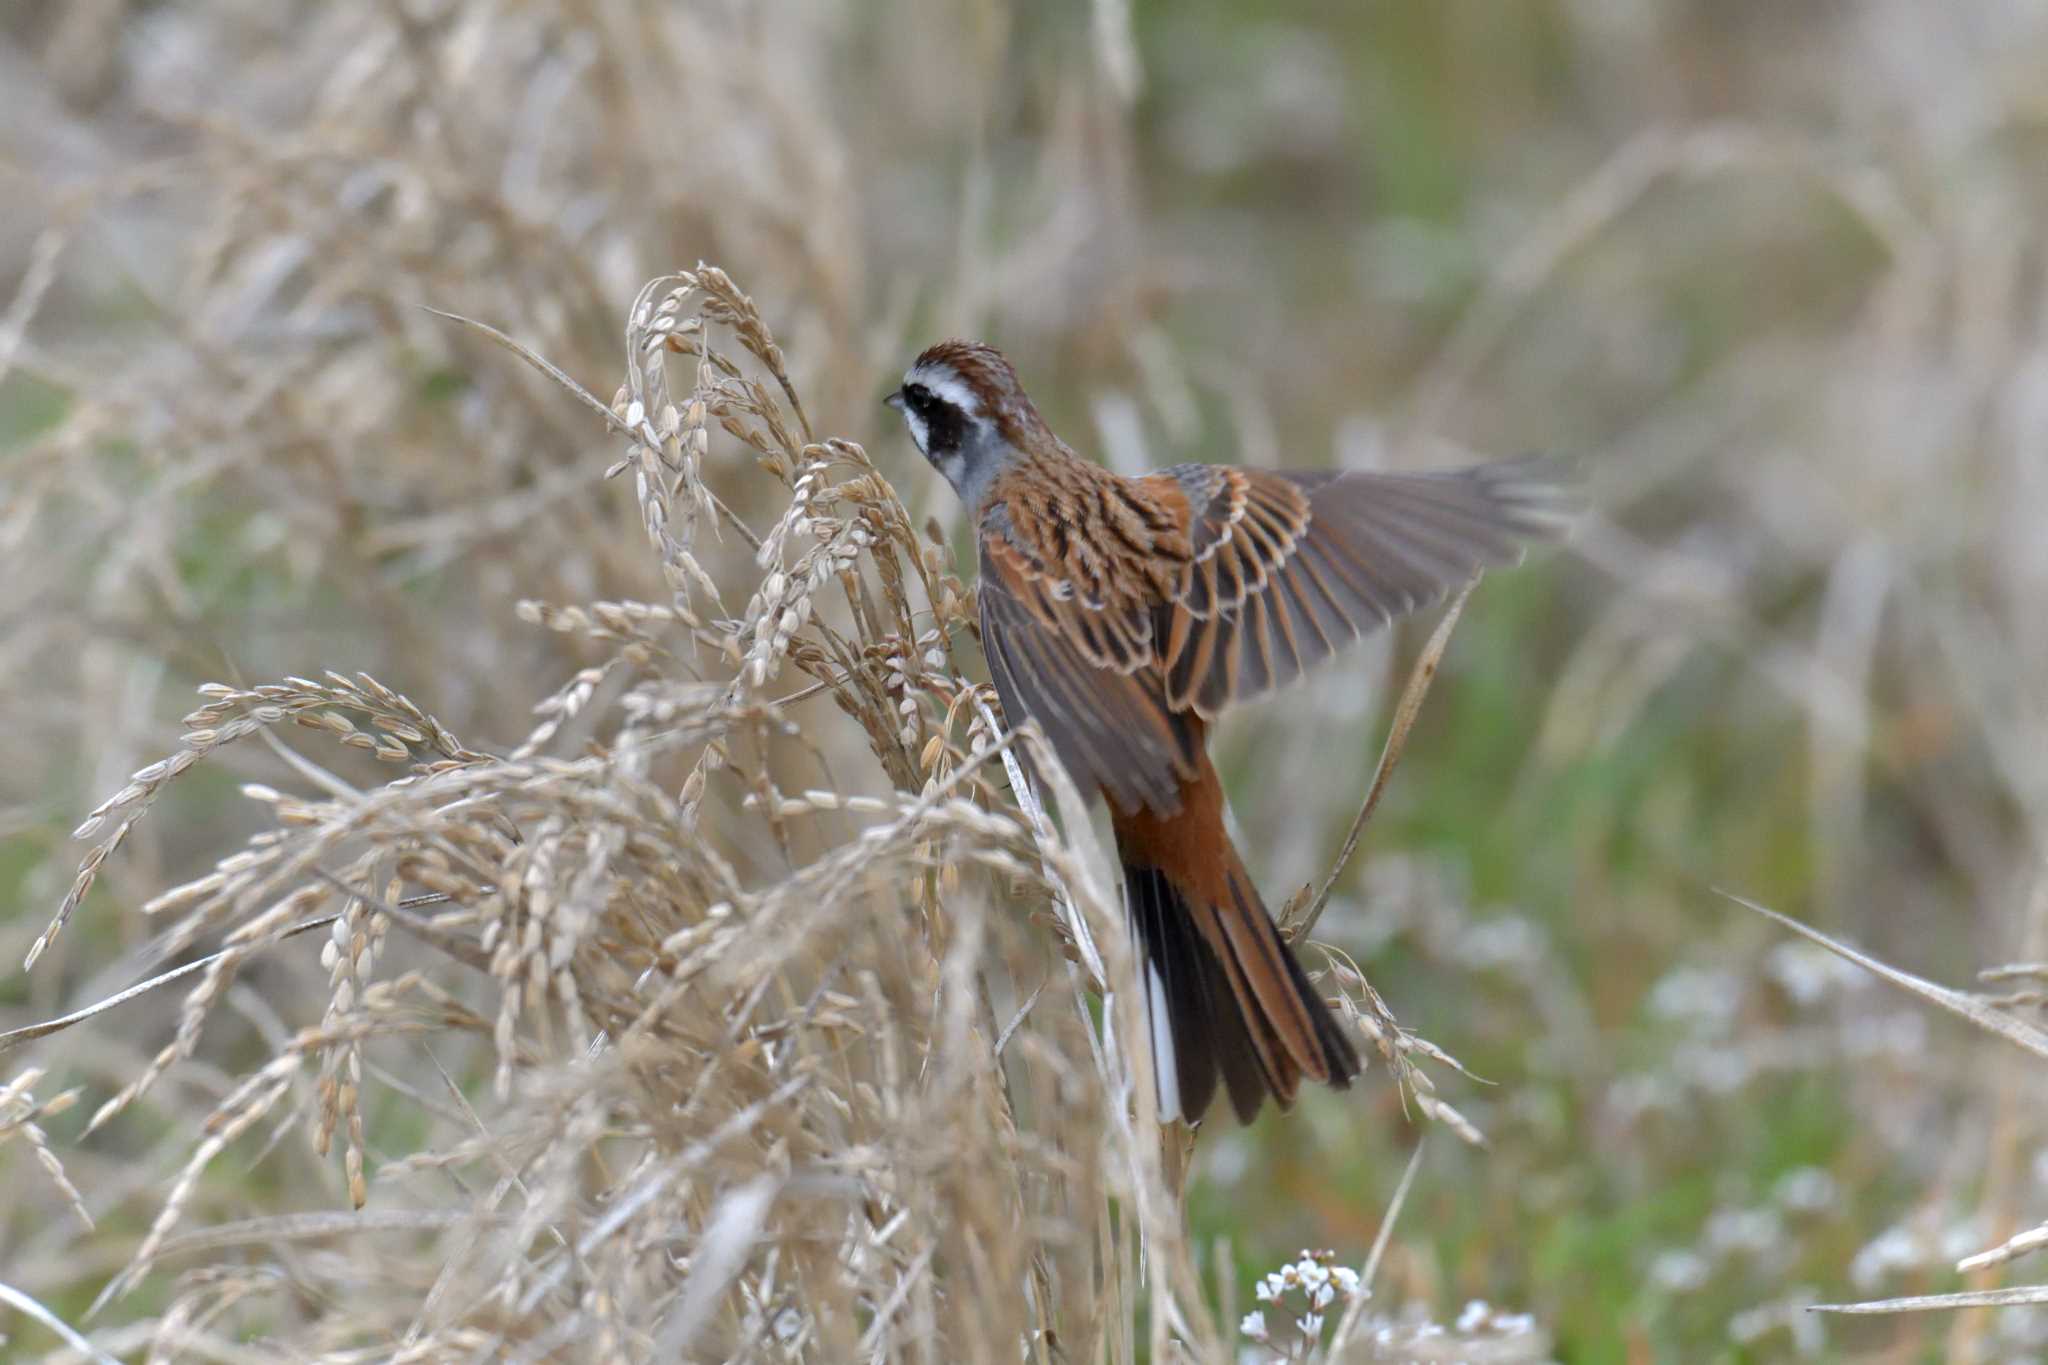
(28, 1033)
(1928, 1303)
(2019, 1244)
(1991, 1017)
(1974, 1008)
(24, 1303)
(1298, 921)
(1354, 1311)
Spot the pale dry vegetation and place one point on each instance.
(730, 1111)
(633, 947)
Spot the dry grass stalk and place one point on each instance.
(1993, 1017)
(1802, 343)
(729, 1114)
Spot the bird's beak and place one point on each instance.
(894, 400)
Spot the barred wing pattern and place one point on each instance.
(1122, 615)
(1291, 567)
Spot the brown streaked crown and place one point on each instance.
(989, 376)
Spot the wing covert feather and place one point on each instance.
(1112, 729)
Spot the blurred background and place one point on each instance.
(1776, 272)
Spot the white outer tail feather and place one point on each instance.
(1165, 1066)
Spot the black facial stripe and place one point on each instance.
(945, 425)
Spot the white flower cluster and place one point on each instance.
(1315, 1283)
(1482, 1317)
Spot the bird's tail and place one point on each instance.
(1225, 995)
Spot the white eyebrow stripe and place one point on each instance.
(945, 384)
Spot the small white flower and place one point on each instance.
(1311, 1325)
(1319, 1297)
(1289, 1276)
(1807, 1189)
(1474, 1317)
(1346, 1279)
(1254, 1326)
(1680, 1271)
(1268, 1289)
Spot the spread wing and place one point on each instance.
(1122, 614)
(1288, 568)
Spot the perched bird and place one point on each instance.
(1124, 614)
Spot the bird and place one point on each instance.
(1124, 614)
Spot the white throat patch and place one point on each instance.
(918, 431)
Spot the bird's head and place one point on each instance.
(968, 414)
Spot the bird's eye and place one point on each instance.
(940, 420)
